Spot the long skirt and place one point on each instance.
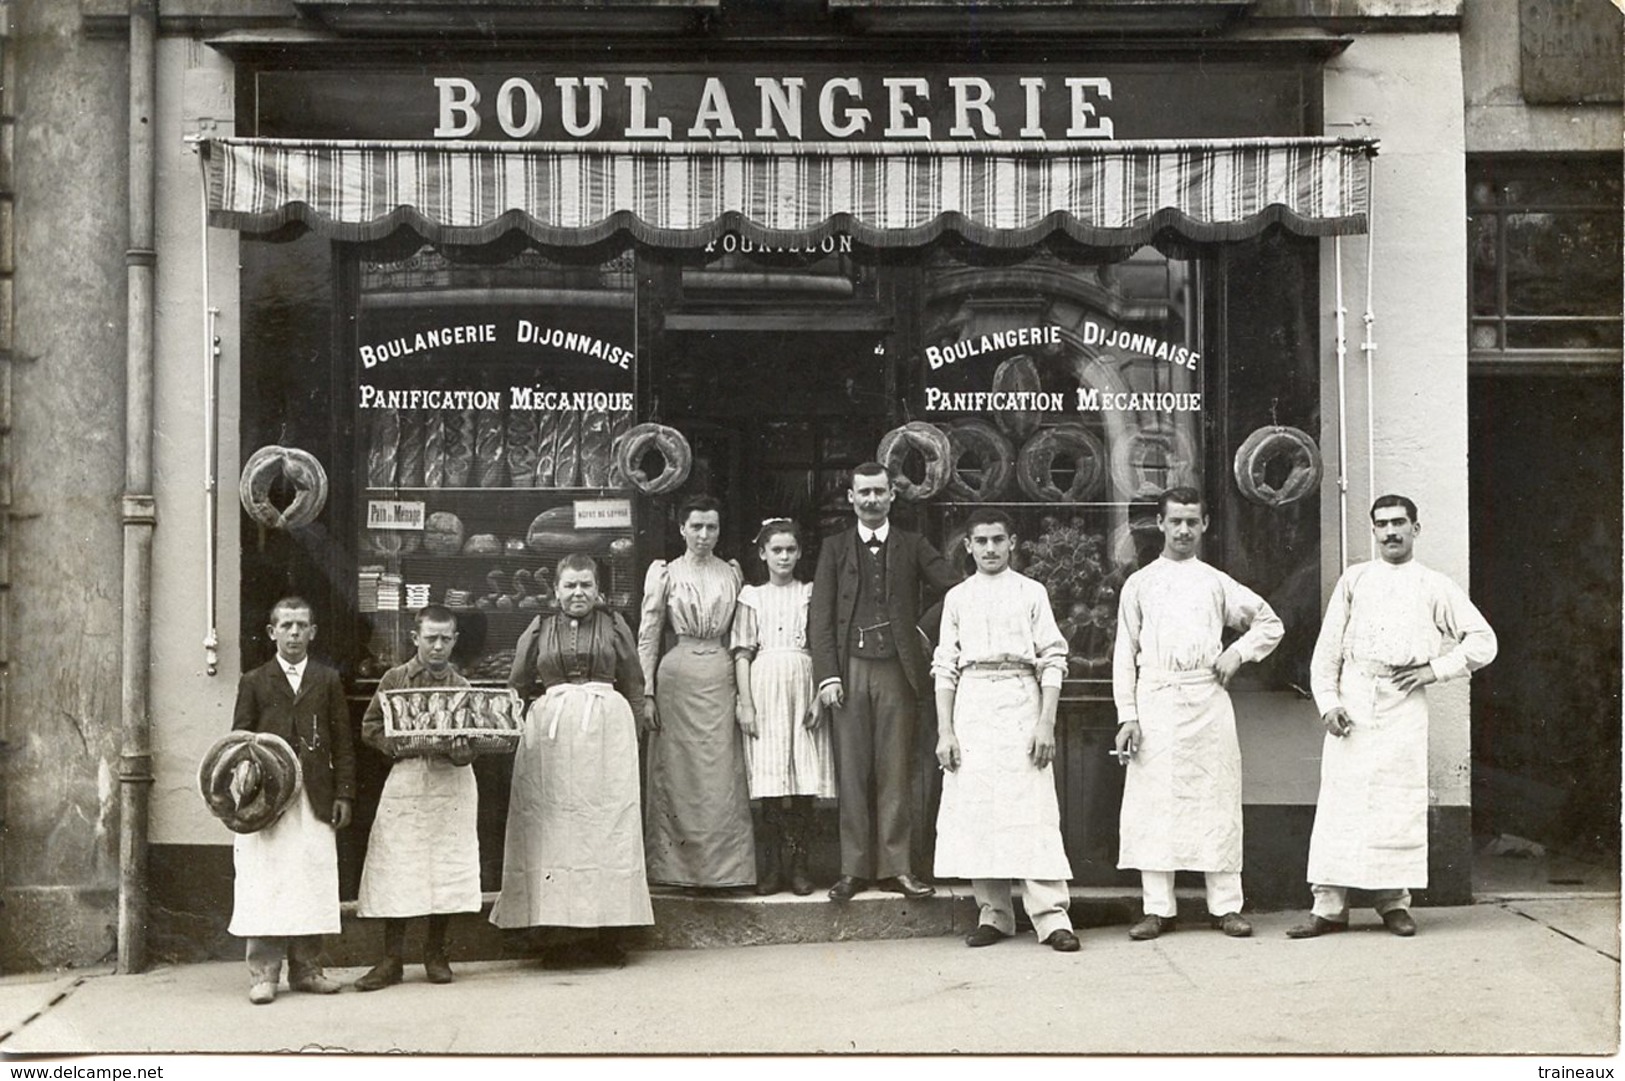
(786, 758)
(573, 854)
(1182, 794)
(698, 831)
(423, 855)
(287, 877)
(999, 817)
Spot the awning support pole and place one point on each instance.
(1342, 411)
(139, 505)
(1369, 348)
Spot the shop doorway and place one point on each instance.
(777, 420)
(1545, 479)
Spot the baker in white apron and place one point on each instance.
(1177, 730)
(1392, 627)
(423, 855)
(997, 668)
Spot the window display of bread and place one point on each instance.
(443, 534)
(384, 449)
(547, 430)
(409, 466)
(567, 451)
(393, 542)
(459, 427)
(620, 422)
(522, 435)
(489, 450)
(434, 450)
(595, 455)
(482, 544)
(1014, 376)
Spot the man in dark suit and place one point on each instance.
(872, 675)
(286, 892)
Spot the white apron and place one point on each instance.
(999, 817)
(1182, 794)
(287, 877)
(1371, 821)
(423, 855)
(573, 851)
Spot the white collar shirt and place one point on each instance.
(294, 672)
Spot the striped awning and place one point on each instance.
(1000, 194)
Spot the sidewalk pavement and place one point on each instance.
(1533, 977)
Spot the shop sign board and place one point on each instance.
(850, 103)
(1572, 52)
(603, 513)
(407, 514)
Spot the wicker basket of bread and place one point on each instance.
(424, 720)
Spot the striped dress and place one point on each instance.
(785, 758)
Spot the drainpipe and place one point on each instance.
(139, 505)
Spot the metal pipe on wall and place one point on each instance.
(139, 504)
(1369, 349)
(1342, 412)
(211, 443)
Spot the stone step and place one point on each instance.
(686, 921)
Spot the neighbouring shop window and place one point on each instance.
(488, 389)
(1545, 241)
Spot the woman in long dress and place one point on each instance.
(573, 854)
(788, 758)
(698, 831)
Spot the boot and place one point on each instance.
(772, 828)
(793, 827)
(387, 972)
(435, 966)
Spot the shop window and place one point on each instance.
(1545, 240)
(1109, 358)
(489, 389)
(1141, 374)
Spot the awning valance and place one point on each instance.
(999, 194)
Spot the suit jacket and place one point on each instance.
(914, 572)
(316, 724)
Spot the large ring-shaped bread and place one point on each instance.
(267, 779)
(1147, 462)
(932, 446)
(1071, 443)
(631, 445)
(991, 448)
(303, 471)
(1261, 448)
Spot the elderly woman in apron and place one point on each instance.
(573, 853)
(698, 832)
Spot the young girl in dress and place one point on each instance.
(787, 742)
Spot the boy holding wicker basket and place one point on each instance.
(423, 852)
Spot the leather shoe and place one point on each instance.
(1232, 924)
(436, 968)
(1062, 941)
(908, 886)
(1399, 922)
(1317, 926)
(316, 983)
(384, 974)
(262, 993)
(846, 887)
(984, 935)
(1150, 927)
